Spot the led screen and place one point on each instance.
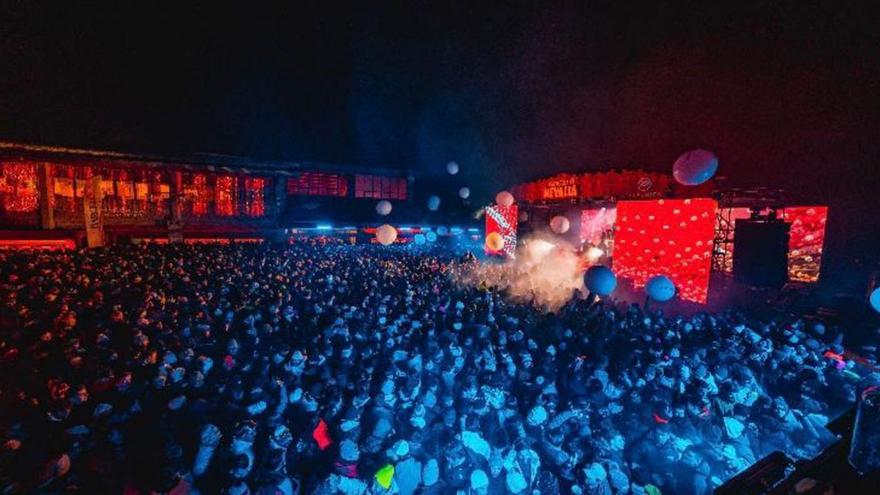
(670, 237)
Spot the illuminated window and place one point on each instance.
(18, 187)
(255, 191)
(318, 184)
(225, 195)
(197, 193)
(379, 187)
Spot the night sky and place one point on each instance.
(786, 93)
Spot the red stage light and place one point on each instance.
(686, 252)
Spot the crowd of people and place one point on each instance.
(252, 368)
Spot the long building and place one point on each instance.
(43, 190)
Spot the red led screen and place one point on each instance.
(805, 243)
(504, 220)
(671, 237)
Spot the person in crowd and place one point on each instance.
(338, 369)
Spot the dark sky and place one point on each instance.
(785, 92)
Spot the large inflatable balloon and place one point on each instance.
(433, 203)
(504, 198)
(494, 241)
(600, 280)
(386, 235)
(419, 239)
(383, 207)
(442, 230)
(695, 167)
(464, 192)
(875, 299)
(660, 288)
(452, 168)
(559, 224)
(431, 236)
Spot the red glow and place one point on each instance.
(42, 244)
(254, 188)
(18, 187)
(670, 237)
(225, 197)
(504, 220)
(200, 194)
(806, 241)
(321, 434)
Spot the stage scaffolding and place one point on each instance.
(756, 198)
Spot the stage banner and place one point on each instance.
(503, 220)
(561, 186)
(92, 211)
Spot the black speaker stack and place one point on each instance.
(760, 252)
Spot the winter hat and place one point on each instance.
(382, 428)
(595, 472)
(349, 451)
(515, 482)
(479, 479)
(537, 416)
(430, 472)
(399, 450)
(733, 426)
(474, 442)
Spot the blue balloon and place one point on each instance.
(419, 239)
(660, 288)
(442, 230)
(600, 280)
(433, 203)
(431, 236)
(875, 299)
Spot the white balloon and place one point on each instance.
(695, 167)
(559, 224)
(464, 193)
(452, 168)
(433, 203)
(386, 235)
(504, 198)
(383, 207)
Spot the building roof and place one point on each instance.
(208, 161)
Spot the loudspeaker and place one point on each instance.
(760, 252)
